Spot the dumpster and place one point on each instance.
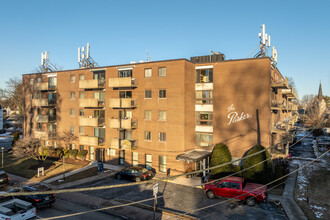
(100, 167)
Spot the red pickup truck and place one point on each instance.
(236, 187)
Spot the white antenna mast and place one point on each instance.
(84, 58)
(264, 42)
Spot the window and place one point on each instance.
(72, 146)
(31, 81)
(72, 78)
(204, 75)
(39, 111)
(162, 115)
(147, 73)
(31, 111)
(121, 157)
(52, 82)
(100, 96)
(162, 164)
(204, 139)
(162, 71)
(39, 80)
(32, 95)
(125, 114)
(73, 95)
(147, 115)
(147, 135)
(72, 129)
(111, 152)
(38, 95)
(162, 93)
(81, 112)
(148, 160)
(81, 130)
(81, 95)
(204, 97)
(100, 133)
(52, 98)
(72, 112)
(125, 94)
(204, 118)
(81, 77)
(81, 147)
(147, 94)
(125, 73)
(162, 136)
(39, 127)
(31, 125)
(135, 158)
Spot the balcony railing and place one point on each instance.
(41, 86)
(41, 118)
(123, 82)
(92, 122)
(91, 103)
(93, 141)
(123, 123)
(43, 102)
(40, 134)
(122, 103)
(122, 144)
(280, 84)
(92, 84)
(290, 93)
(277, 105)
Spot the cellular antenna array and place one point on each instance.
(46, 65)
(84, 58)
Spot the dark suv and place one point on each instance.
(4, 179)
(39, 200)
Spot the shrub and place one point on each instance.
(15, 138)
(59, 152)
(82, 154)
(74, 153)
(262, 172)
(221, 155)
(66, 153)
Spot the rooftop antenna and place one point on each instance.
(274, 56)
(46, 65)
(84, 58)
(264, 42)
(148, 57)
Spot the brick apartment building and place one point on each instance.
(165, 114)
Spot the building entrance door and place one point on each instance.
(100, 155)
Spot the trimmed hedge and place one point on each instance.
(221, 155)
(82, 154)
(74, 153)
(262, 172)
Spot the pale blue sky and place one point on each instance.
(122, 31)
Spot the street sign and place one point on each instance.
(155, 189)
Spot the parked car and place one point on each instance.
(236, 187)
(39, 200)
(135, 174)
(4, 179)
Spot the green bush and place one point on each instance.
(221, 155)
(82, 154)
(15, 138)
(66, 153)
(262, 172)
(74, 153)
(59, 152)
(236, 169)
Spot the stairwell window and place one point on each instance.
(162, 93)
(147, 73)
(204, 118)
(204, 75)
(204, 97)
(162, 164)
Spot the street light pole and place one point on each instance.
(2, 156)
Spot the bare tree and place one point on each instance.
(306, 100)
(66, 139)
(292, 84)
(313, 117)
(32, 147)
(14, 93)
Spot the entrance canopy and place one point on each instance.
(195, 155)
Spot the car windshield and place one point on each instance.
(144, 170)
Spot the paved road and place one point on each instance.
(302, 150)
(183, 199)
(62, 207)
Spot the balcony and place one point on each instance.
(92, 84)
(43, 103)
(91, 122)
(93, 141)
(122, 103)
(278, 128)
(41, 86)
(91, 103)
(41, 118)
(277, 105)
(290, 93)
(40, 134)
(123, 123)
(280, 84)
(122, 82)
(123, 144)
